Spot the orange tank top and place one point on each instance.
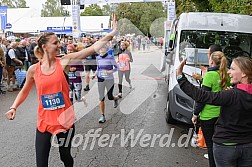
(55, 111)
(123, 63)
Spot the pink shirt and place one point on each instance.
(123, 62)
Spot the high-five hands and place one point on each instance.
(180, 67)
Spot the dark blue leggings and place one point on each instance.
(43, 145)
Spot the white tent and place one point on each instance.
(26, 20)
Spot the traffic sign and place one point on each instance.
(8, 26)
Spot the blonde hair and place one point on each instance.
(80, 46)
(38, 52)
(245, 65)
(126, 44)
(220, 60)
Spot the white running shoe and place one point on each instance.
(206, 156)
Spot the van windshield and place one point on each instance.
(233, 44)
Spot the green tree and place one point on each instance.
(53, 8)
(202, 5)
(92, 10)
(187, 6)
(106, 10)
(142, 16)
(157, 27)
(14, 3)
(21, 4)
(220, 6)
(232, 6)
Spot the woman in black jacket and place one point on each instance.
(233, 130)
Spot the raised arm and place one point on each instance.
(222, 98)
(92, 49)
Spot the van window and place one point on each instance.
(233, 44)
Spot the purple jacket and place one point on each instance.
(106, 62)
(74, 76)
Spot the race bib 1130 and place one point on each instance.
(53, 101)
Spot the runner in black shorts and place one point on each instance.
(88, 68)
(90, 64)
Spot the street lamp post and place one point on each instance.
(63, 27)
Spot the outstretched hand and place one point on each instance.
(180, 67)
(114, 22)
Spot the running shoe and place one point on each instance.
(115, 103)
(102, 119)
(130, 86)
(206, 156)
(86, 88)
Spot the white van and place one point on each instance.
(194, 33)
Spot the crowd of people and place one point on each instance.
(16, 54)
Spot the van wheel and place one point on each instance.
(168, 116)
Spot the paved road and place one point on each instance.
(135, 134)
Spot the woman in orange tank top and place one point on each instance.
(124, 60)
(55, 112)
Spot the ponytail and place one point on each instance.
(221, 61)
(38, 53)
(223, 72)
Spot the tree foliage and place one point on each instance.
(232, 6)
(220, 6)
(106, 10)
(92, 10)
(53, 8)
(14, 3)
(141, 15)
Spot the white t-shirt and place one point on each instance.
(12, 54)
